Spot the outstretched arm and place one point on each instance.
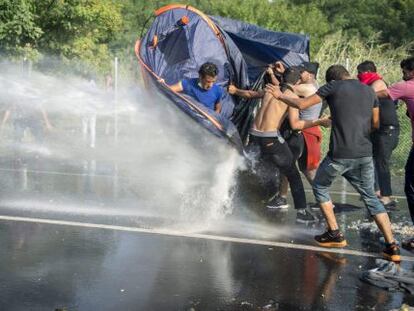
(272, 76)
(299, 103)
(298, 124)
(178, 87)
(233, 90)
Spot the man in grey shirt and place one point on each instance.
(305, 144)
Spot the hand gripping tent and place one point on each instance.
(181, 39)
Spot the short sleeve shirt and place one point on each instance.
(404, 91)
(313, 112)
(351, 104)
(208, 98)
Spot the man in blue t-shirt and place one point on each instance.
(203, 88)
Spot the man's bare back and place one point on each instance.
(271, 114)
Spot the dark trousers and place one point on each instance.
(296, 144)
(409, 182)
(384, 142)
(276, 156)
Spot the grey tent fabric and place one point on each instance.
(389, 276)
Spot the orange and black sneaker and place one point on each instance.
(392, 252)
(330, 238)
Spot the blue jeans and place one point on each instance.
(360, 174)
(409, 182)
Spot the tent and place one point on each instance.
(181, 39)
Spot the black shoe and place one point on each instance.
(330, 239)
(392, 252)
(277, 203)
(305, 217)
(391, 206)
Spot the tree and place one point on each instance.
(392, 18)
(18, 30)
(78, 31)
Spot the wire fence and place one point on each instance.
(399, 156)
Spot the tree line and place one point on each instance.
(88, 33)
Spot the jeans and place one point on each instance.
(384, 142)
(277, 156)
(358, 172)
(409, 183)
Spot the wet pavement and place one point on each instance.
(68, 243)
(46, 267)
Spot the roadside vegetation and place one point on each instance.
(84, 36)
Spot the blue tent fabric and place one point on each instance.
(261, 47)
(184, 49)
(241, 57)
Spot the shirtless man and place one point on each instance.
(274, 150)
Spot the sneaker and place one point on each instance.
(392, 252)
(391, 206)
(277, 203)
(329, 239)
(305, 217)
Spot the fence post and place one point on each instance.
(116, 100)
(115, 184)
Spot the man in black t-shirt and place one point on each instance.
(385, 139)
(354, 112)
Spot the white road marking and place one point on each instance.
(57, 173)
(400, 197)
(198, 236)
(120, 177)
